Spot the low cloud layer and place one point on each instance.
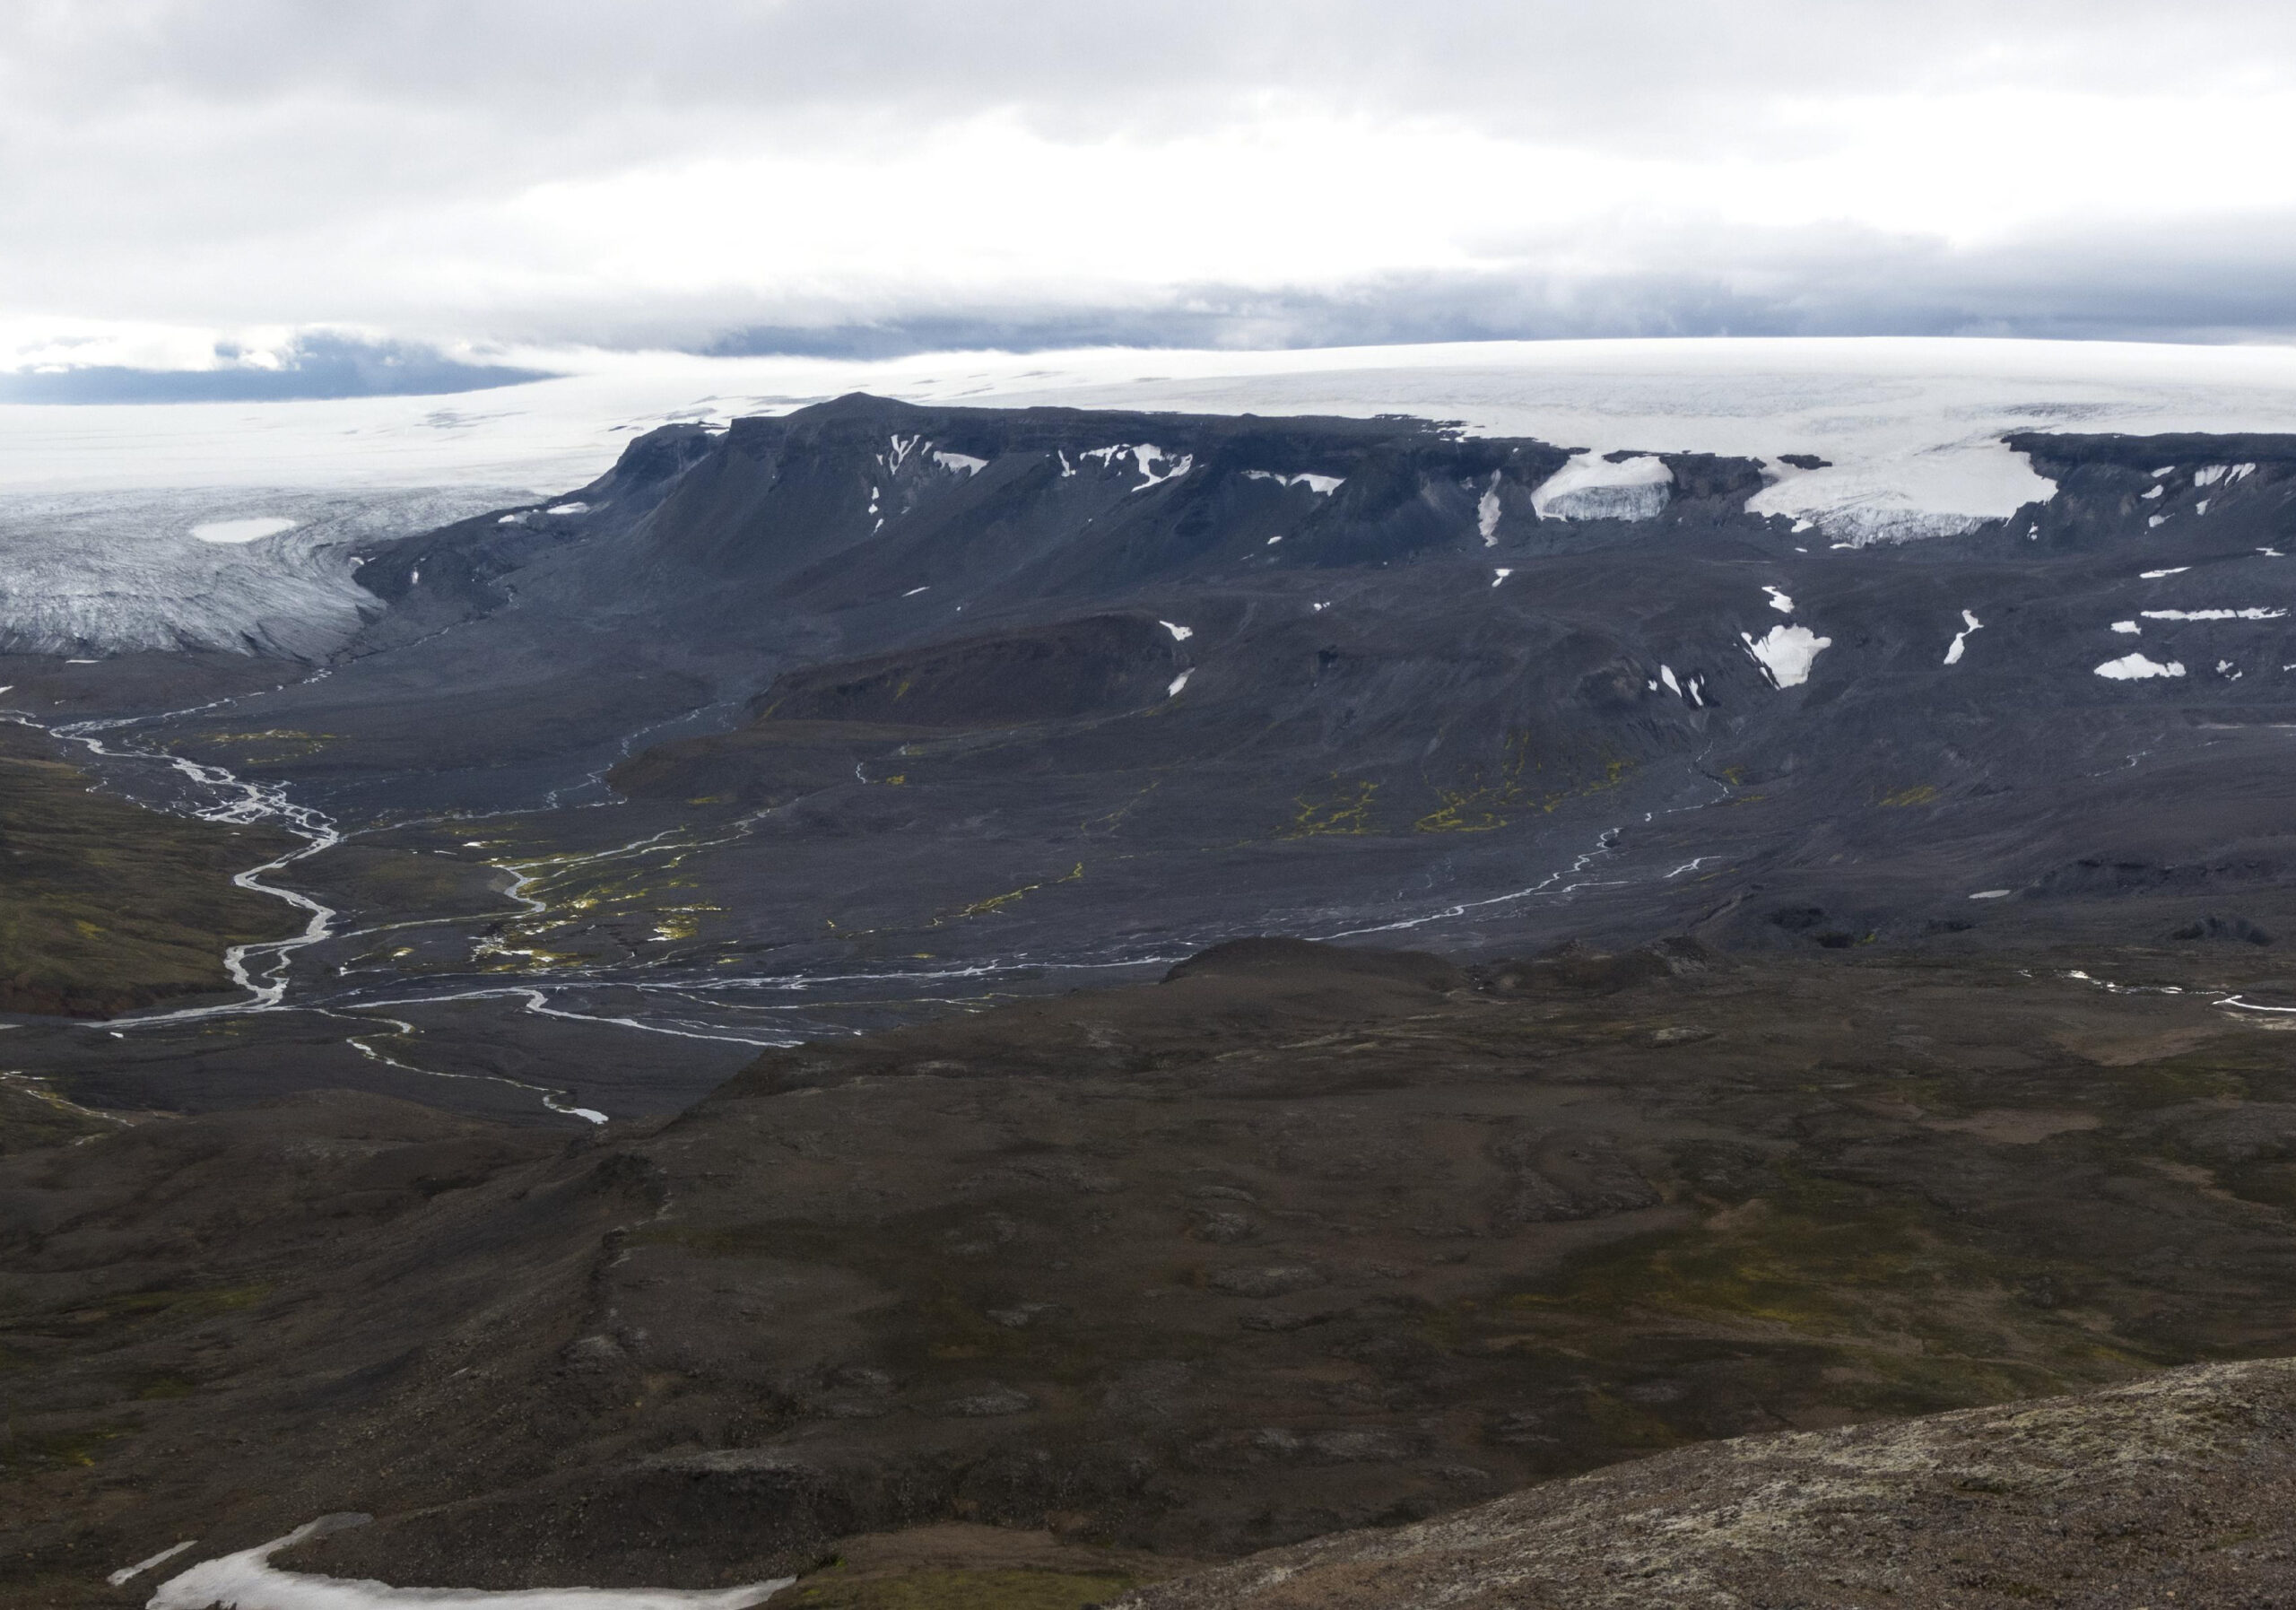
(297, 183)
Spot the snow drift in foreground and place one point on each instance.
(247, 1580)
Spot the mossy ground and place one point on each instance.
(106, 906)
(960, 1590)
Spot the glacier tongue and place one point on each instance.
(89, 572)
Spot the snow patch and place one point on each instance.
(2157, 575)
(247, 1580)
(1500, 574)
(1486, 513)
(2253, 614)
(1779, 601)
(1590, 488)
(2135, 667)
(1787, 653)
(1145, 456)
(1323, 486)
(2153, 492)
(1178, 683)
(962, 463)
(915, 590)
(568, 509)
(1991, 894)
(253, 529)
(2130, 627)
(1667, 675)
(2210, 475)
(1970, 622)
(122, 1576)
(1181, 634)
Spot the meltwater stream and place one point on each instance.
(660, 997)
(236, 802)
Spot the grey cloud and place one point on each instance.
(319, 364)
(149, 145)
(1629, 72)
(1805, 283)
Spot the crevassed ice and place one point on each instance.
(1590, 488)
(2135, 667)
(1787, 653)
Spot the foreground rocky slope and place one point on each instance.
(1300, 1240)
(2178, 1490)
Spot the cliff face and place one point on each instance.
(2173, 1490)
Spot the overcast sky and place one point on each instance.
(295, 182)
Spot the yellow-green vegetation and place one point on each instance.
(1921, 793)
(997, 902)
(959, 1591)
(105, 905)
(144, 1308)
(1344, 808)
(32, 1115)
(269, 746)
(575, 890)
(1484, 805)
(1915, 1318)
(79, 1448)
(1109, 822)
